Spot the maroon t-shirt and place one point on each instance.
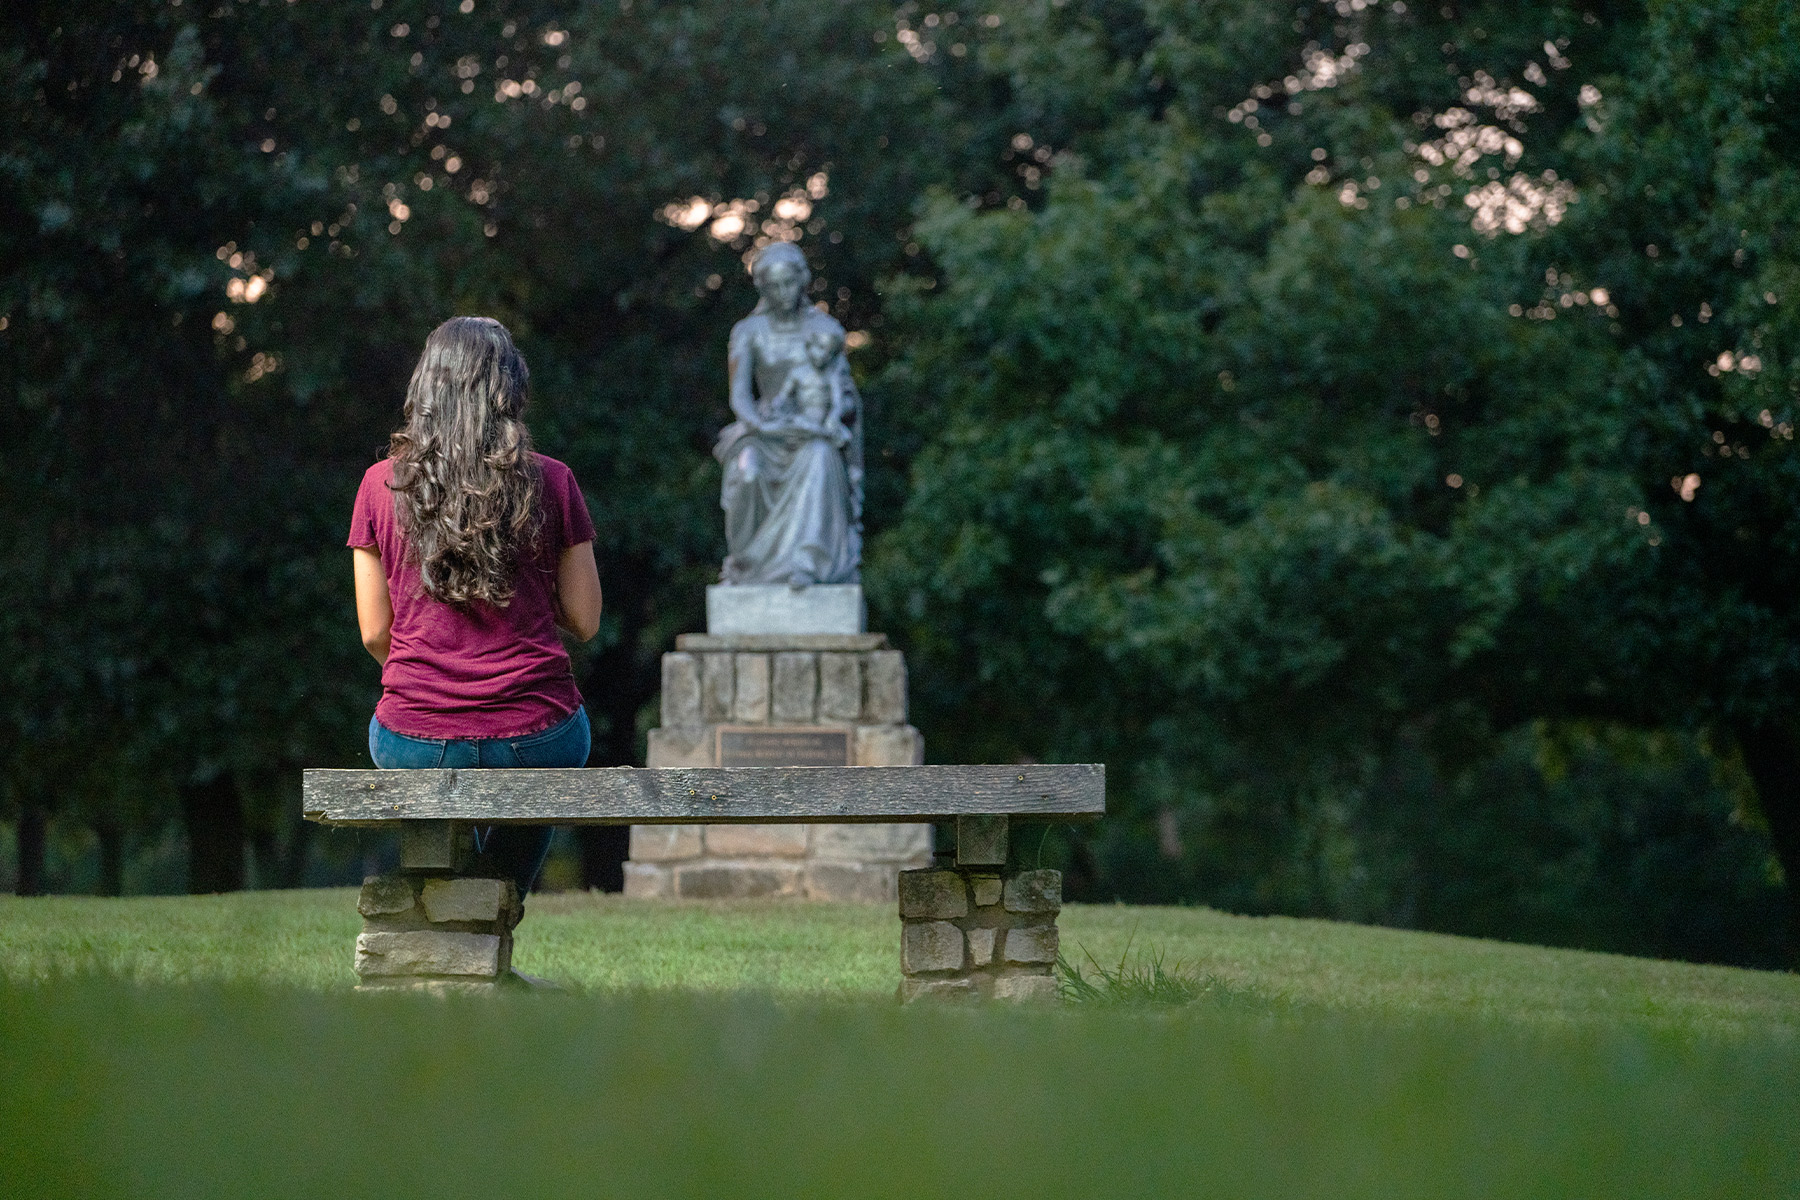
(476, 671)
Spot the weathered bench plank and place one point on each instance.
(717, 795)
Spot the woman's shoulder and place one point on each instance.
(380, 472)
(552, 466)
(563, 500)
(557, 475)
(373, 510)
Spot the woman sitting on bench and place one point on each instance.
(470, 551)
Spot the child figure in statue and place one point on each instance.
(812, 401)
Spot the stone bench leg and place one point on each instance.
(976, 930)
(430, 924)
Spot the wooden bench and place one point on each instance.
(970, 925)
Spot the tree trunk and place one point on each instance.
(1081, 880)
(1772, 755)
(265, 856)
(214, 815)
(112, 859)
(278, 850)
(293, 858)
(604, 849)
(33, 828)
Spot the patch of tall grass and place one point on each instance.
(1147, 981)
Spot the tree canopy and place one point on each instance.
(1326, 426)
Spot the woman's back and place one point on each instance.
(475, 670)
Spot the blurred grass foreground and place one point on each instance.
(212, 1047)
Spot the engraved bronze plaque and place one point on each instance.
(766, 746)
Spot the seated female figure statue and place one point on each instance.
(792, 492)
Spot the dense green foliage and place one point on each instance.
(174, 590)
(1382, 538)
(1367, 427)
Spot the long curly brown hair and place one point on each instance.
(464, 482)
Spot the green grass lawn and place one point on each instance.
(211, 1047)
(604, 943)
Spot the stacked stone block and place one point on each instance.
(428, 924)
(833, 681)
(975, 931)
(852, 682)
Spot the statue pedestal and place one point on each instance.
(780, 699)
(744, 608)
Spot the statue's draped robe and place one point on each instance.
(792, 505)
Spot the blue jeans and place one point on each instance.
(517, 851)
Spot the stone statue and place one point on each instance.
(792, 493)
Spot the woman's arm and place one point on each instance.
(740, 364)
(783, 419)
(578, 592)
(374, 607)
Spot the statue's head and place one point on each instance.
(822, 345)
(781, 276)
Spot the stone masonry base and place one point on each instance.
(969, 926)
(812, 862)
(978, 932)
(435, 930)
(848, 682)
